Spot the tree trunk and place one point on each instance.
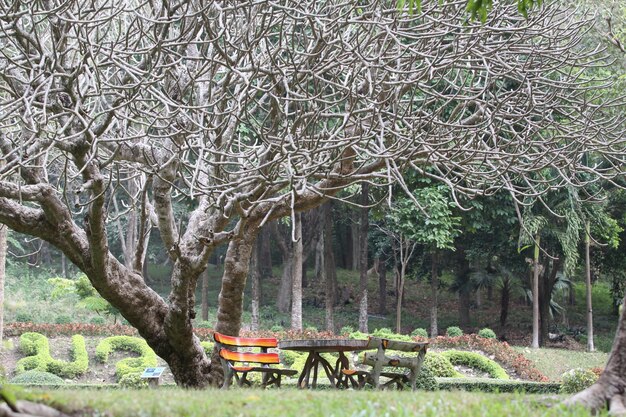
(205, 294)
(611, 385)
(327, 268)
(356, 253)
(3, 256)
(505, 295)
(283, 301)
(434, 291)
(535, 290)
(364, 224)
(296, 293)
(590, 345)
(265, 253)
(256, 293)
(63, 266)
(399, 299)
(382, 288)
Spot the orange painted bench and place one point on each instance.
(230, 357)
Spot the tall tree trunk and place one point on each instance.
(327, 268)
(205, 294)
(590, 345)
(434, 291)
(364, 224)
(382, 288)
(296, 276)
(356, 242)
(535, 290)
(63, 266)
(265, 253)
(256, 292)
(283, 299)
(399, 299)
(3, 256)
(505, 295)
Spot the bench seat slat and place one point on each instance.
(245, 341)
(267, 358)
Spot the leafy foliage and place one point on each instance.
(487, 333)
(476, 361)
(421, 332)
(425, 380)
(36, 346)
(37, 378)
(440, 366)
(454, 331)
(576, 380)
(146, 359)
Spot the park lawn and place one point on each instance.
(554, 362)
(173, 402)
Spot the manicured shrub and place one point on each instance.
(497, 385)
(37, 378)
(133, 380)
(425, 380)
(36, 346)
(288, 357)
(576, 380)
(386, 333)
(146, 359)
(277, 328)
(23, 317)
(487, 333)
(476, 361)
(311, 329)
(440, 366)
(98, 321)
(79, 363)
(419, 332)
(454, 331)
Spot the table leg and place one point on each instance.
(303, 380)
(342, 363)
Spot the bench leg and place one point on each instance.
(228, 377)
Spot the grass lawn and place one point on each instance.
(172, 402)
(553, 362)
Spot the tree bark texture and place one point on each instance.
(434, 291)
(363, 267)
(255, 276)
(590, 344)
(296, 293)
(535, 291)
(205, 294)
(3, 257)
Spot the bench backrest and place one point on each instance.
(245, 341)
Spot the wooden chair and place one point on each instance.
(380, 359)
(229, 359)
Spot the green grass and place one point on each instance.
(173, 402)
(553, 362)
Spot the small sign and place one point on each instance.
(153, 372)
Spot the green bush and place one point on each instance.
(79, 363)
(476, 361)
(487, 333)
(24, 317)
(203, 325)
(419, 332)
(147, 358)
(98, 320)
(63, 319)
(288, 357)
(385, 333)
(133, 380)
(36, 346)
(207, 346)
(37, 378)
(497, 385)
(277, 328)
(440, 367)
(454, 331)
(346, 330)
(576, 380)
(426, 380)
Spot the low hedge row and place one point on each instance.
(126, 366)
(440, 366)
(476, 361)
(497, 385)
(37, 347)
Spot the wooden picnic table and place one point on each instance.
(314, 360)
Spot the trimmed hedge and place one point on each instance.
(497, 385)
(487, 333)
(454, 331)
(425, 380)
(440, 366)
(420, 332)
(476, 361)
(37, 378)
(37, 347)
(147, 358)
(577, 379)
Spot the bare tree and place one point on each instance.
(249, 111)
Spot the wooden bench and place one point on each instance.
(379, 359)
(230, 358)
